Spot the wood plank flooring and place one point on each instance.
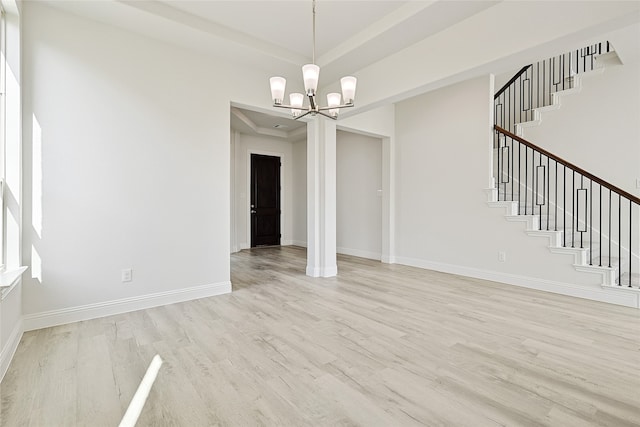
(379, 345)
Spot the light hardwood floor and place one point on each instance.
(379, 345)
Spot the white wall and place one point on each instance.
(359, 195)
(245, 145)
(377, 122)
(299, 187)
(443, 142)
(135, 167)
(597, 129)
(380, 123)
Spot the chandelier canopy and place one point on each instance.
(310, 75)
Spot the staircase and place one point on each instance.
(579, 213)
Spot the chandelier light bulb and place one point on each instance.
(296, 100)
(278, 85)
(310, 75)
(348, 89)
(333, 100)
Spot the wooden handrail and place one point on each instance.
(513, 79)
(570, 165)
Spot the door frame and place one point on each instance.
(247, 207)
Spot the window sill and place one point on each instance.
(9, 280)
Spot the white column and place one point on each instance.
(321, 198)
(388, 201)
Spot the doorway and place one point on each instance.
(265, 200)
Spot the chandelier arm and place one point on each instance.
(313, 59)
(302, 115)
(286, 106)
(327, 115)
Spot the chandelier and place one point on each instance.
(310, 75)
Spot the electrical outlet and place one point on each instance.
(127, 274)
(502, 256)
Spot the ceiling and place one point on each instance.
(257, 123)
(360, 31)
(271, 34)
(287, 24)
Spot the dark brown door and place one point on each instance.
(265, 200)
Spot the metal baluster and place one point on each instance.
(512, 100)
(610, 236)
(548, 171)
(620, 240)
(600, 203)
(630, 235)
(544, 80)
(513, 106)
(590, 222)
(555, 195)
(519, 178)
(544, 199)
(530, 94)
(562, 65)
(573, 209)
(571, 79)
(504, 182)
(538, 84)
(526, 176)
(499, 170)
(520, 112)
(508, 108)
(504, 113)
(564, 206)
(533, 181)
(585, 211)
(553, 77)
(511, 170)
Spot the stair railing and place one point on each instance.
(592, 213)
(532, 87)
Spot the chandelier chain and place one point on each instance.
(314, 33)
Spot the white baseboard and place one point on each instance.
(299, 243)
(388, 259)
(359, 253)
(329, 271)
(313, 271)
(125, 305)
(6, 354)
(627, 299)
